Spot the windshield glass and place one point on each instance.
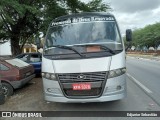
(85, 37)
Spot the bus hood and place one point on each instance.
(77, 66)
(84, 65)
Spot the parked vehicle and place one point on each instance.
(14, 73)
(2, 97)
(84, 59)
(34, 59)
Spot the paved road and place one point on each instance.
(147, 73)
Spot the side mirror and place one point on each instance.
(38, 43)
(128, 35)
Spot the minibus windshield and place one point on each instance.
(84, 37)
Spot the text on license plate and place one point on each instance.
(81, 86)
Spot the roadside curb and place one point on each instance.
(154, 59)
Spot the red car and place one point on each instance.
(14, 73)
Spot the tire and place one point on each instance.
(7, 89)
(2, 99)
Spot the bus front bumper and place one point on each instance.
(53, 92)
(100, 99)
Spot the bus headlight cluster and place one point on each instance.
(50, 76)
(116, 72)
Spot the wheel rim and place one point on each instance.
(5, 90)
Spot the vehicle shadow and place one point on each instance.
(94, 106)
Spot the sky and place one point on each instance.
(5, 49)
(133, 14)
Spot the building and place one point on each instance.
(28, 48)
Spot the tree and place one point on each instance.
(21, 20)
(148, 36)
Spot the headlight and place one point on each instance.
(117, 72)
(47, 75)
(50, 76)
(53, 77)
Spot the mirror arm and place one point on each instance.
(128, 45)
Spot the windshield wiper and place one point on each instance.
(69, 48)
(102, 46)
(106, 48)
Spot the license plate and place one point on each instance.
(81, 86)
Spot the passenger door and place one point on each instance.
(6, 73)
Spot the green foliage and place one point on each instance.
(22, 20)
(98, 6)
(148, 36)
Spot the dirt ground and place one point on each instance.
(28, 98)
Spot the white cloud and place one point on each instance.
(130, 6)
(134, 14)
(156, 11)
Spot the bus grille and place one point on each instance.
(70, 78)
(87, 77)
